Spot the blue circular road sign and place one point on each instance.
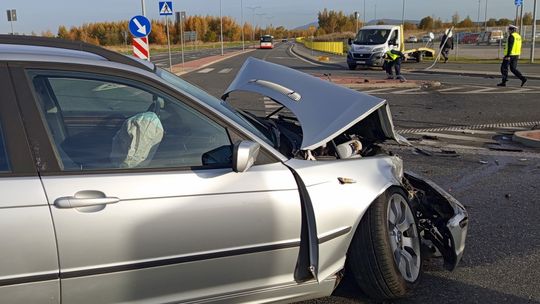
(140, 26)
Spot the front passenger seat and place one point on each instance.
(135, 144)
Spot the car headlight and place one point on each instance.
(378, 50)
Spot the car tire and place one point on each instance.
(352, 67)
(376, 247)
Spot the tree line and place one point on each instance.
(207, 29)
(331, 21)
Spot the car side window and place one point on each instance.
(4, 162)
(100, 122)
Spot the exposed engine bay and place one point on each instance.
(285, 132)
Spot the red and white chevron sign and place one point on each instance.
(140, 48)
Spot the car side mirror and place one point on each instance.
(244, 155)
(349, 41)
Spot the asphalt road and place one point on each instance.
(499, 188)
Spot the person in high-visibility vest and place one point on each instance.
(511, 56)
(393, 59)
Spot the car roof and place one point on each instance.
(45, 49)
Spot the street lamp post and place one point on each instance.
(221, 27)
(242, 23)
(533, 32)
(364, 19)
(478, 18)
(260, 15)
(403, 14)
(485, 17)
(253, 8)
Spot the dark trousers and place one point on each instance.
(396, 64)
(444, 53)
(512, 63)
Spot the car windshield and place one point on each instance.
(212, 101)
(372, 36)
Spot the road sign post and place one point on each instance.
(12, 16)
(166, 9)
(140, 27)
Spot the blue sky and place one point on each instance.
(38, 15)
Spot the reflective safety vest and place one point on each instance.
(516, 47)
(392, 56)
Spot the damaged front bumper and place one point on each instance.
(442, 219)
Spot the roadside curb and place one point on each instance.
(185, 70)
(295, 53)
(469, 73)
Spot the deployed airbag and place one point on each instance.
(137, 140)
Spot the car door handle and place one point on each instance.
(85, 199)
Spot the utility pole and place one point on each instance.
(533, 32)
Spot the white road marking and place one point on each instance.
(522, 90)
(465, 147)
(473, 132)
(225, 71)
(205, 71)
(482, 90)
(450, 89)
(413, 91)
(377, 90)
(459, 137)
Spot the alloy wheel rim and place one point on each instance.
(404, 238)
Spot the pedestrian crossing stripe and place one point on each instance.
(205, 71)
(165, 8)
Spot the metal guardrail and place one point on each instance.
(323, 46)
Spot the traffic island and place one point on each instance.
(528, 138)
(355, 82)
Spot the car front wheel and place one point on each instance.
(384, 256)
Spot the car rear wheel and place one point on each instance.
(384, 256)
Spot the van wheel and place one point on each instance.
(384, 256)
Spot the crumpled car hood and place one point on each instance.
(323, 109)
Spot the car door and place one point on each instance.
(145, 203)
(28, 257)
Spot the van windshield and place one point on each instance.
(372, 36)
